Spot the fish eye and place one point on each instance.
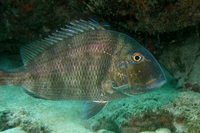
(137, 57)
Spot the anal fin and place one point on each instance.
(92, 108)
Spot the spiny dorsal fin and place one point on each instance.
(30, 51)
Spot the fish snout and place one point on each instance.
(156, 83)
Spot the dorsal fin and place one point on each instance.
(31, 50)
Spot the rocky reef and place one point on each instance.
(182, 62)
(27, 20)
(176, 111)
(169, 29)
(11, 119)
(150, 16)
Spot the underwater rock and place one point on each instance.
(14, 130)
(180, 114)
(12, 119)
(186, 108)
(148, 132)
(187, 85)
(104, 125)
(163, 130)
(195, 88)
(150, 122)
(137, 114)
(194, 76)
(160, 130)
(3, 120)
(104, 131)
(25, 21)
(181, 64)
(149, 16)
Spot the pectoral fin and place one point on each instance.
(33, 94)
(92, 108)
(124, 89)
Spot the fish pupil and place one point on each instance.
(137, 58)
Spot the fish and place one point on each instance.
(85, 62)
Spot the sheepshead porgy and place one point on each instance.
(85, 62)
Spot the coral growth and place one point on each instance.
(186, 107)
(149, 16)
(28, 20)
(10, 119)
(150, 122)
(181, 64)
(141, 113)
(27, 7)
(196, 88)
(180, 114)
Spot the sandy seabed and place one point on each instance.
(58, 116)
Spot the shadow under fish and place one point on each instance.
(88, 63)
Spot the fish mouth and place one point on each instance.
(132, 90)
(150, 86)
(156, 83)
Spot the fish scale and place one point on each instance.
(85, 62)
(65, 68)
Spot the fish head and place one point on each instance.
(135, 70)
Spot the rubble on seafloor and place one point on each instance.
(20, 118)
(180, 114)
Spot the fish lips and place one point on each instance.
(150, 86)
(157, 83)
